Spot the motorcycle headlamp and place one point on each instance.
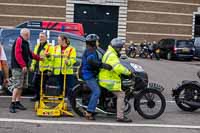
(136, 67)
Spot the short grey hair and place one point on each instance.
(23, 31)
(43, 33)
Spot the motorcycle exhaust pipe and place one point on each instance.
(98, 110)
(193, 104)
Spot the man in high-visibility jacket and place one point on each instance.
(43, 49)
(111, 79)
(64, 59)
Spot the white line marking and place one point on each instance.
(98, 123)
(24, 97)
(29, 97)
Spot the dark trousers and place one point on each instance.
(37, 82)
(156, 55)
(70, 82)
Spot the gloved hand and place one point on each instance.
(132, 75)
(106, 66)
(128, 76)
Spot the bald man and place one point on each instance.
(21, 55)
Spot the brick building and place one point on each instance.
(134, 20)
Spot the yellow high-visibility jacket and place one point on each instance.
(59, 66)
(111, 79)
(46, 64)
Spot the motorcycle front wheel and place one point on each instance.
(187, 93)
(150, 103)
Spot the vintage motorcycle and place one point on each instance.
(187, 95)
(148, 101)
(131, 51)
(144, 52)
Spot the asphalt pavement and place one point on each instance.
(166, 73)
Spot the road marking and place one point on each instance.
(29, 97)
(24, 97)
(32, 121)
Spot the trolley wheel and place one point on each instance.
(36, 105)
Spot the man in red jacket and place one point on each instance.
(21, 55)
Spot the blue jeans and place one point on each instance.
(94, 87)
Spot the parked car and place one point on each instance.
(75, 28)
(197, 47)
(176, 49)
(8, 36)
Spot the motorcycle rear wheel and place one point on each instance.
(76, 101)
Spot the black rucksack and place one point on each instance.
(52, 87)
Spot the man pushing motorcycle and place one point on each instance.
(111, 80)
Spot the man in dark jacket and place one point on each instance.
(156, 50)
(21, 55)
(90, 68)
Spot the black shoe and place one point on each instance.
(125, 120)
(19, 106)
(35, 98)
(12, 108)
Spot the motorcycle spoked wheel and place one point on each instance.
(144, 55)
(132, 54)
(149, 99)
(79, 101)
(187, 93)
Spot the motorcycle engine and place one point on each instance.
(111, 104)
(128, 82)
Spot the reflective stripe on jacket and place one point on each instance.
(59, 66)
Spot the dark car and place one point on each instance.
(176, 49)
(8, 36)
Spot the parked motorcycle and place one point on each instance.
(131, 51)
(149, 101)
(155, 54)
(144, 52)
(187, 95)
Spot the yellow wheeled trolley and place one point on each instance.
(52, 106)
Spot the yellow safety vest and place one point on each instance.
(59, 66)
(46, 64)
(111, 79)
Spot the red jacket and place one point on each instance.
(21, 53)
